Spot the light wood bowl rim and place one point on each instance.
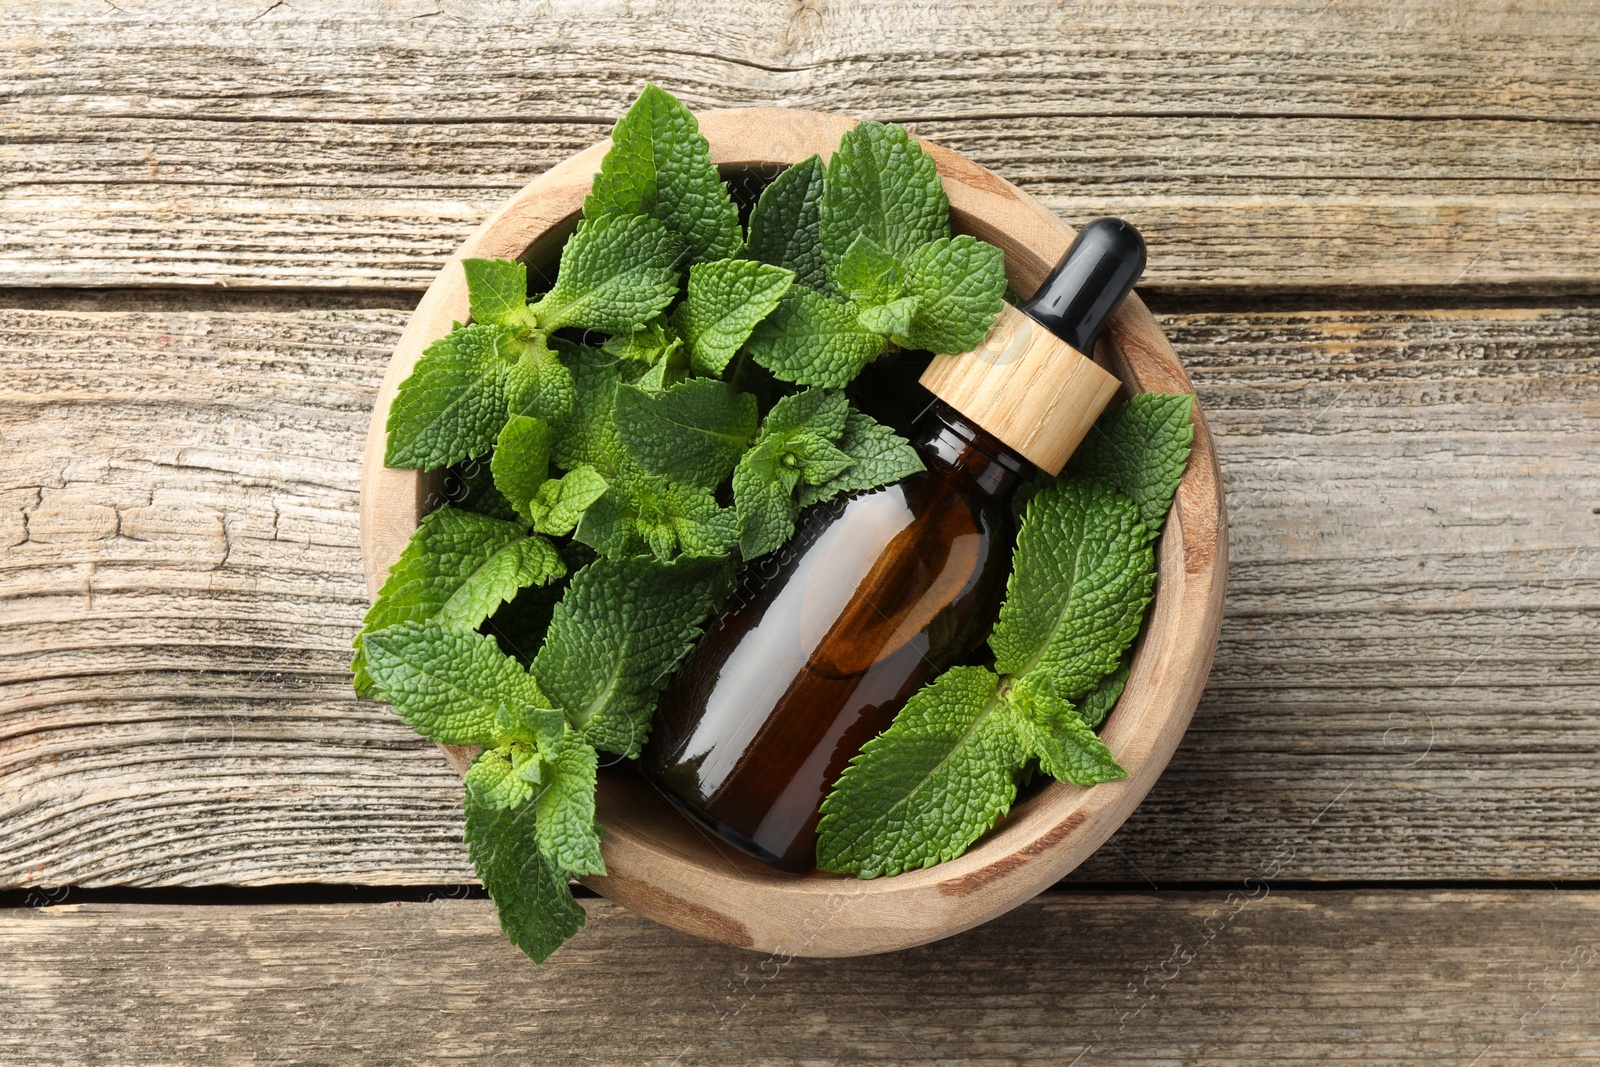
(658, 866)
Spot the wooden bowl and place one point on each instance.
(675, 872)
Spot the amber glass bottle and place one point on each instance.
(825, 640)
(828, 637)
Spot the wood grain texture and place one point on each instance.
(1405, 687)
(1285, 143)
(180, 581)
(1252, 976)
(676, 873)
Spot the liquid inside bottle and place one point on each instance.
(825, 640)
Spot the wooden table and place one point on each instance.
(1375, 233)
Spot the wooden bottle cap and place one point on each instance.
(1034, 392)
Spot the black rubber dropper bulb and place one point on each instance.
(1095, 275)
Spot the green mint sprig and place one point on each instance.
(619, 437)
(693, 432)
(617, 633)
(459, 567)
(659, 166)
(643, 513)
(614, 638)
(1142, 448)
(520, 467)
(616, 273)
(786, 225)
(531, 894)
(725, 302)
(882, 271)
(812, 447)
(1082, 575)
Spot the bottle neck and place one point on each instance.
(946, 438)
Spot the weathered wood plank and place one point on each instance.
(180, 576)
(1405, 686)
(1288, 143)
(1254, 976)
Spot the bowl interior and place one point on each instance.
(664, 865)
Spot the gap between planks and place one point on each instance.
(299, 894)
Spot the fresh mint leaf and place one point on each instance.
(703, 529)
(610, 525)
(685, 519)
(449, 685)
(785, 224)
(497, 291)
(929, 785)
(642, 511)
(725, 301)
(616, 636)
(521, 461)
(672, 368)
(764, 500)
(1103, 697)
(540, 726)
(1141, 448)
(868, 274)
(564, 808)
(882, 184)
(893, 319)
(453, 403)
(878, 456)
(674, 518)
(530, 894)
(959, 285)
(617, 272)
(1082, 573)
(812, 339)
(659, 165)
(815, 459)
(765, 481)
(649, 344)
(794, 450)
(499, 777)
(474, 578)
(799, 434)
(539, 385)
(588, 436)
(693, 432)
(653, 357)
(561, 502)
(458, 567)
(1066, 745)
(823, 412)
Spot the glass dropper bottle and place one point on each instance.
(877, 592)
